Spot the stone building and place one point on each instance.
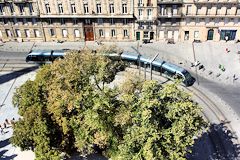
(145, 12)
(19, 20)
(210, 20)
(119, 20)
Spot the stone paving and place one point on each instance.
(210, 54)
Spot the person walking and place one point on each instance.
(2, 132)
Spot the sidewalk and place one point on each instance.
(209, 54)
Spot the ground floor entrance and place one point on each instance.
(137, 36)
(89, 35)
(210, 34)
(228, 34)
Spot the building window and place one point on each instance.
(77, 33)
(73, 8)
(62, 21)
(1, 9)
(52, 32)
(111, 8)
(125, 21)
(99, 9)
(5, 21)
(186, 35)
(228, 11)
(36, 33)
(125, 33)
(18, 33)
(140, 13)
(196, 34)
(113, 32)
(64, 33)
(140, 2)
(238, 10)
(48, 9)
(8, 32)
(88, 21)
(27, 33)
(15, 21)
(209, 8)
(124, 8)
(11, 8)
(189, 9)
(21, 8)
(60, 8)
(199, 8)
(25, 21)
(149, 14)
(145, 34)
(34, 21)
(75, 21)
(49, 21)
(30, 6)
(112, 21)
(101, 33)
(85, 6)
(100, 21)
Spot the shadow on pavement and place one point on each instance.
(2, 156)
(4, 143)
(215, 144)
(7, 77)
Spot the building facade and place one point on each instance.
(119, 20)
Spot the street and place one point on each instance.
(15, 71)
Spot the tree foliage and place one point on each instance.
(69, 107)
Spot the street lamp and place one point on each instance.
(151, 64)
(139, 55)
(194, 58)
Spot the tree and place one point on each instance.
(69, 108)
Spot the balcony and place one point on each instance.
(215, 1)
(140, 27)
(170, 1)
(140, 5)
(149, 4)
(170, 15)
(149, 27)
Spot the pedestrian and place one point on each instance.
(7, 122)
(12, 121)
(226, 50)
(234, 78)
(4, 125)
(2, 132)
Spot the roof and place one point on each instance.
(40, 52)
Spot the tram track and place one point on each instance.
(216, 119)
(16, 65)
(214, 132)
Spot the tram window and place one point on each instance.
(178, 76)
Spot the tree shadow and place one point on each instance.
(4, 143)
(7, 77)
(216, 143)
(2, 157)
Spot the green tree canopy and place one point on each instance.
(69, 108)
